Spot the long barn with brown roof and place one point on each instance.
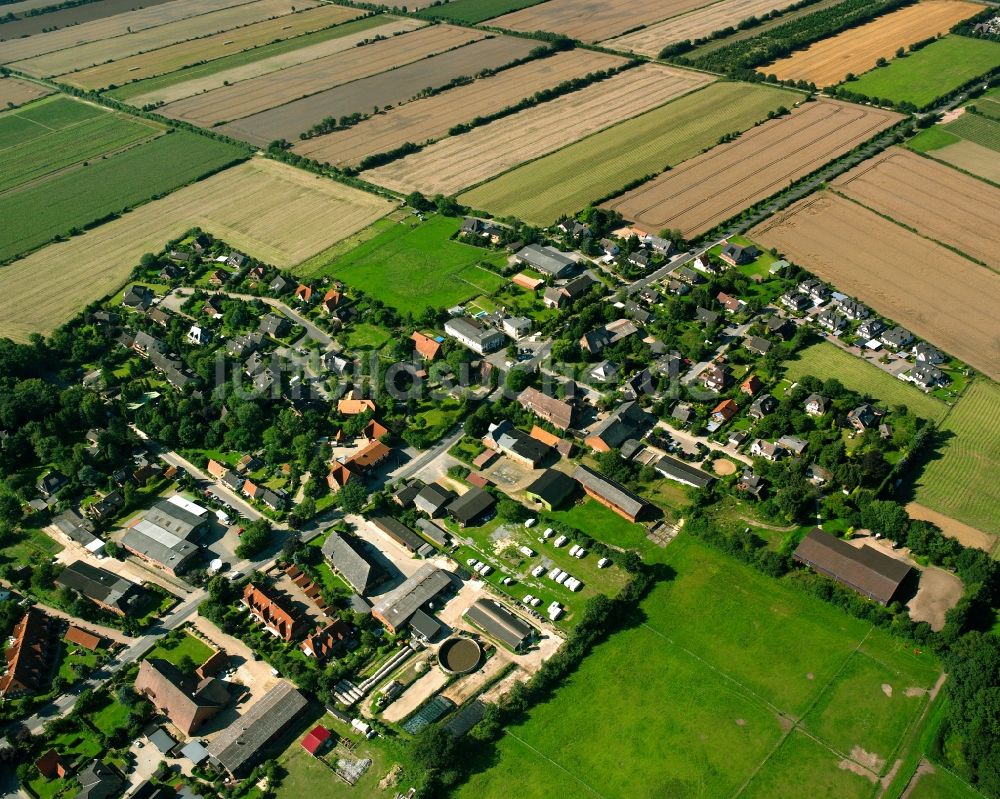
(869, 572)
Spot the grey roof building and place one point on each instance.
(865, 569)
(433, 499)
(498, 621)
(398, 532)
(547, 260)
(396, 608)
(346, 558)
(680, 472)
(102, 587)
(475, 505)
(241, 744)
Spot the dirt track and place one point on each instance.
(461, 161)
(265, 66)
(97, 52)
(856, 50)
(229, 103)
(432, 117)
(387, 88)
(963, 533)
(931, 198)
(693, 25)
(593, 20)
(714, 186)
(939, 295)
(117, 25)
(14, 91)
(219, 45)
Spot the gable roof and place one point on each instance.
(609, 490)
(471, 505)
(425, 346)
(865, 569)
(552, 486)
(348, 559)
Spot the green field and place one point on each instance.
(473, 11)
(36, 214)
(962, 482)
(588, 170)
(932, 139)
(91, 138)
(412, 266)
(43, 117)
(934, 71)
(243, 57)
(977, 128)
(941, 784)
(709, 691)
(988, 106)
(824, 360)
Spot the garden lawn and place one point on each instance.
(414, 266)
(939, 68)
(37, 213)
(110, 718)
(825, 360)
(173, 652)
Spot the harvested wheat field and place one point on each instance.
(461, 161)
(259, 94)
(15, 92)
(717, 185)
(592, 20)
(33, 24)
(693, 25)
(272, 211)
(939, 295)
(337, 43)
(432, 117)
(87, 55)
(208, 48)
(971, 157)
(118, 25)
(932, 199)
(387, 88)
(828, 62)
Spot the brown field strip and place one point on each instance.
(592, 20)
(461, 161)
(708, 189)
(265, 66)
(382, 90)
(87, 55)
(939, 295)
(15, 92)
(971, 157)
(432, 117)
(693, 25)
(272, 211)
(828, 62)
(64, 17)
(118, 25)
(209, 48)
(931, 198)
(229, 103)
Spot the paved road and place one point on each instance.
(412, 467)
(683, 435)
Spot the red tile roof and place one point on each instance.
(317, 736)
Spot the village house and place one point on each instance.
(426, 347)
(925, 353)
(731, 304)
(757, 345)
(831, 320)
(751, 483)
(796, 301)
(715, 377)
(628, 420)
(555, 411)
(870, 330)
(765, 449)
(737, 255)
(762, 406)
(477, 338)
(724, 411)
(897, 338)
(184, 699)
(863, 417)
(816, 405)
(751, 385)
(273, 610)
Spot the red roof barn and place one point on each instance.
(314, 741)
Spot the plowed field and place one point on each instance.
(388, 88)
(461, 161)
(939, 295)
(934, 200)
(431, 118)
(208, 48)
(258, 94)
(828, 62)
(64, 17)
(716, 185)
(694, 25)
(97, 52)
(15, 92)
(593, 20)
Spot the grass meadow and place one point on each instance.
(595, 167)
(473, 11)
(941, 784)
(39, 212)
(961, 481)
(413, 266)
(726, 685)
(825, 360)
(937, 69)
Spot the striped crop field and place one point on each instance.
(978, 129)
(962, 483)
(571, 178)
